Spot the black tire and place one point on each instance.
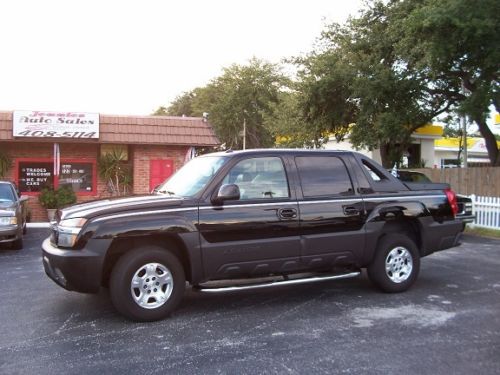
(403, 263)
(133, 264)
(17, 244)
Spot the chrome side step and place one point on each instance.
(268, 284)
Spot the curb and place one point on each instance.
(38, 225)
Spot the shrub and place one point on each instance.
(47, 198)
(51, 198)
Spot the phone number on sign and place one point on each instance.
(50, 133)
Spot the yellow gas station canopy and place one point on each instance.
(429, 129)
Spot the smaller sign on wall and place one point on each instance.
(34, 176)
(50, 124)
(78, 175)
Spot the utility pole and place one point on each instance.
(464, 130)
(244, 133)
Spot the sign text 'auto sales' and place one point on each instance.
(50, 124)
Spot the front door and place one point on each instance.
(257, 234)
(159, 171)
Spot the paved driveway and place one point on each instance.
(448, 323)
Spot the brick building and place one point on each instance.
(153, 147)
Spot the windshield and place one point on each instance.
(192, 177)
(6, 194)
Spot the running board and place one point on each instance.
(268, 284)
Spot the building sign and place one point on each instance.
(47, 124)
(479, 146)
(34, 176)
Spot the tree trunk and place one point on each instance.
(491, 142)
(390, 154)
(384, 156)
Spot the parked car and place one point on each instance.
(13, 215)
(465, 207)
(240, 220)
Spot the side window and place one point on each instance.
(6, 193)
(323, 176)
(259, 178)
(373, 172)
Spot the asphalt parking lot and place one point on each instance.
(448, 323)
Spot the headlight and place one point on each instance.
(8, 220)
(68, 230)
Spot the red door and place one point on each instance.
(159, 171)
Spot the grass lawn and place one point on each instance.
(484, 232)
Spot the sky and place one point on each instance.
(130, 57)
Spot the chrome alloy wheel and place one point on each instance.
(398, 264)
(152, 285)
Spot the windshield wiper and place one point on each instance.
(166, 192)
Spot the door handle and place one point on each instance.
(287, 213)
(351, 211)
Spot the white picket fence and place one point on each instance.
(487, 210)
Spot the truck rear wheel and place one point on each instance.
(147, 284)
(396, 263)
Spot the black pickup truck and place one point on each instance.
(251, 219)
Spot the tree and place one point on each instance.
(455, 43)
(160, 111)
(287, 125)
(181, 106)
(326, 99)
(357, 76)
(243, 93)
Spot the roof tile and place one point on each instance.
(192, 131)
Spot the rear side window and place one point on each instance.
(373, 172)
(322, 176)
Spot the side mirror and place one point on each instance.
(229, 192)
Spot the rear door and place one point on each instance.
(331, 212)
(257, 234)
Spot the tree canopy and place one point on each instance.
(357, 76)
(455, 43)
(242, 94)
(395, 67)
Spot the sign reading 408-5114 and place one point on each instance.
(51, 124)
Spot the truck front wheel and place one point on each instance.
(147, 283)
(396, 263)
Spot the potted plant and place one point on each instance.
(51, 199)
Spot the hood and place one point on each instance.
(114, 205)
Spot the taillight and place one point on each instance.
(452, 199)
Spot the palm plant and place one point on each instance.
(5, 163)
(114, 170)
